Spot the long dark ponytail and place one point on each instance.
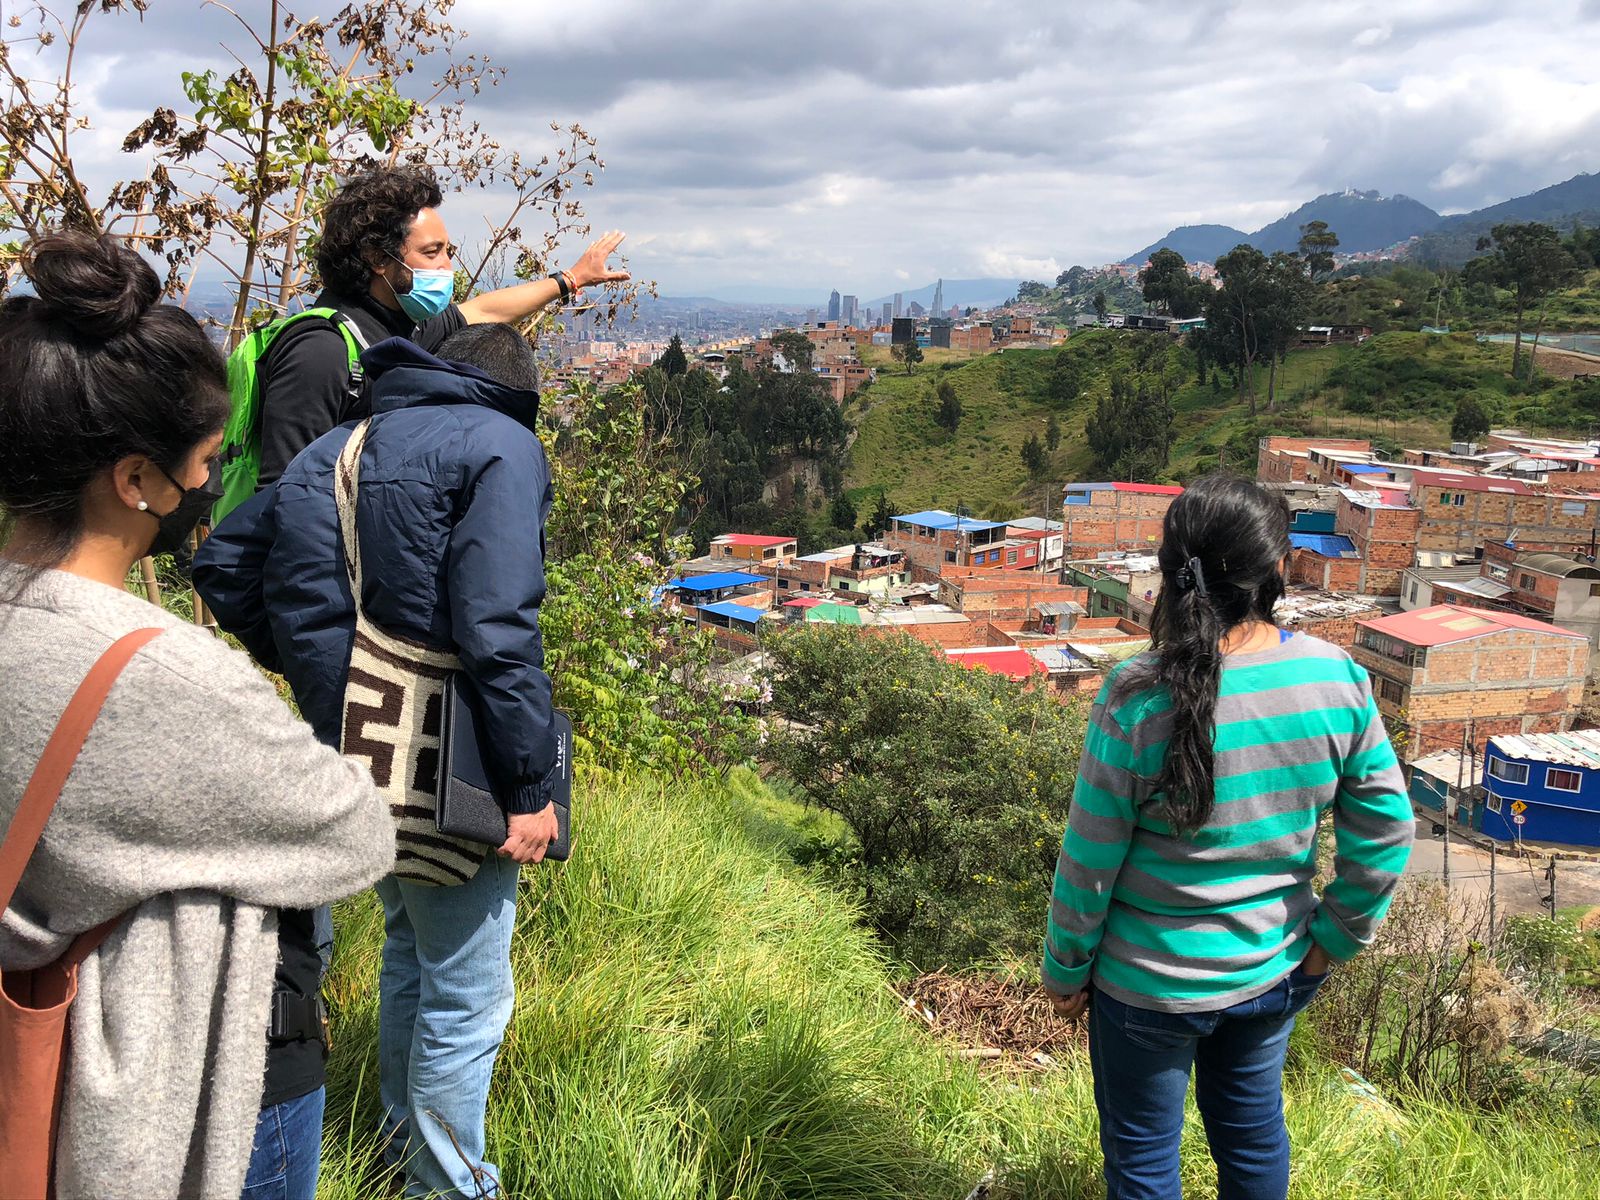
(1223, 542)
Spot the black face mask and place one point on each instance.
(174, 528)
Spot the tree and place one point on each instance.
(796, 348)
(909, 353)
(1529, 261)
(948, 416)
(1034, 456)
(1130, 431)
(1233, 333)
(237, 181)
(1285, 300)
(1471, 421)
(881, 519)
(1100, 307)
(1317, 244)
(841, 513)
(673, 360)
(1052, 434)
(1067, 376)
(1165, 283)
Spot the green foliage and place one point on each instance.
(1528, 260)
(1470, 422)
(1317, 244)
(1052, 434)
(842, 512)
(1166, 284)
(954, 784)
(637, 688)
(1034, 456)
(1130, 432)
(673, 361)
(882, 517)
(908, 353)
(949, 414)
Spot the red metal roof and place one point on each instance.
(751, 539)
(1464, 482)
(802, 602)
(1014, 663)
(1444, 623)
(1153, 489)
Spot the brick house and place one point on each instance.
(1556, 588)
(1328, 561)
(1005, 599)
(1384, 535)
(1126, 586)
(1100, 518)
(753, 548)
(1289, 460)
(1460, 512)
(934, 539)
(1326, 615)
(1440, 672)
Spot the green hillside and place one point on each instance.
(698, 1019)
(1399, 389)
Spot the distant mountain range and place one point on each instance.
(1367, 221)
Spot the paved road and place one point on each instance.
(1520, 881)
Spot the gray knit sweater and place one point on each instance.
(200, 804)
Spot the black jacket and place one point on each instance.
(306, 374)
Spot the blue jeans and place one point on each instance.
(1142, 1060)
(446, 995)
(287, 1150)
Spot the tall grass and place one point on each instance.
(697, 1019)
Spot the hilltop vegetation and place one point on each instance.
(1398, 388)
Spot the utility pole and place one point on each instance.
(1492, 897)
(1550, 874)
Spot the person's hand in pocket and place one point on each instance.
(1316, 962)
(1071, 1007)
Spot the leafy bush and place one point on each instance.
(954, 784)
(636, 686)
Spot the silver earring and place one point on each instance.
(144, 506)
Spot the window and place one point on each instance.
(805, 587)
(1391, 691)
(1594, 589)
(1527, 582)
(1573, 508)
(783, 583)
(949, 556)
(1509, 771)
(1461, 498)
(1413, 596)
(1558, 780)
(1011, 556)
(1492, 803)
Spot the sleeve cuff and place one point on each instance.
(1061, 980)
(1331, 935)
(531, 797)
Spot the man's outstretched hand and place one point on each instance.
(592, 268)
(530, 835)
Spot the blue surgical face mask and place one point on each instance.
(430, 294)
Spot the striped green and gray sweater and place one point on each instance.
(1187, 924)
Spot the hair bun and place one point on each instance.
(93, 282)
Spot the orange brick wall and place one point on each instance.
(1114, 520)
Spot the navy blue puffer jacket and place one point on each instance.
(455, 490)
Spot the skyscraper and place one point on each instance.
(938, 298)
(899, 305)
(887, 314)
(847, 313)
(833, 306)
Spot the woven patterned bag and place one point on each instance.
(393, 713)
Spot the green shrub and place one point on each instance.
(954, 784)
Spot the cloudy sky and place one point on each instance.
(871, 146)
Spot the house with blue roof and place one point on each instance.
(1329, 561)
(933, 540)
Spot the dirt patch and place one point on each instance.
(993, 1019)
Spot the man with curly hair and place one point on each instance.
(385, 261)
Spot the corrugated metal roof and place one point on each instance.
(1013, 662)
(716, 582)
(1446, 766)
(1554, 564)
(749, 539)
(937, 518)
(1476, 585)
(1579, 748)
(1329, 545)
(1059, 608)
(734, 612)
(1364, 468)
(835, 614)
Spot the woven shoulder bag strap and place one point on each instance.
(55, 765)
(346, 485)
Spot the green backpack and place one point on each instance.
(241, 437)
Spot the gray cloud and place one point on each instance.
(857, 145)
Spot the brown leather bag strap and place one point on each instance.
(60, 755)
